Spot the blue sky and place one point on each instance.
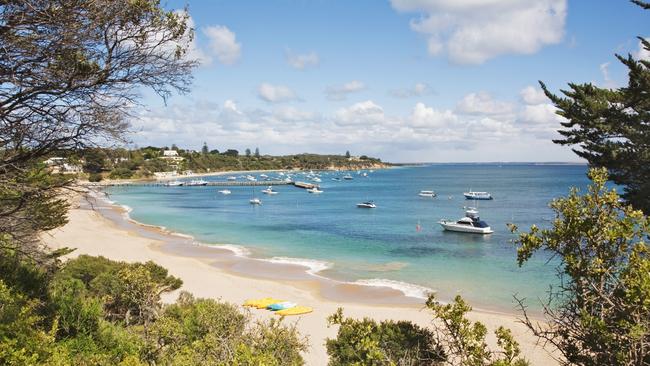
(404, 80)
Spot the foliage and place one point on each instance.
(611, 127)
(366, 342)
(464, 341)
(69, 70)
(196, 331)
(600, 313)
(454, 341)
(22, 339)
(131, 292)
(121, 173)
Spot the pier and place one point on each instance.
(263, 183)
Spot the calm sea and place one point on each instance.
(328, 233)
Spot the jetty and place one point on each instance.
(263, 183)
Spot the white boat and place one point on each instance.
(430, 194)
(269, 191)
(314, 190)
(471, 223)
(225, 191)
(255, 201)
(347, 177)
(263, 176)
(288, 179)
(316, 179)
(251, 178)
(174, 183)
(232, 177)
(197, 182)
(367, 204)
(477, 195)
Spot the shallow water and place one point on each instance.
(381, 246)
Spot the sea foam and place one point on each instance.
(314, 266)
(408, 289)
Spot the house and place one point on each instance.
(171, 155)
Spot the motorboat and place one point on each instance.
(197, 182)
(316, 179)
(251, 178)
(336, 179)
(477, 195)
(430, 194)
(264, 176)
(367, 204)
(225, 191)
(232, 177)
(255, 201)
(174, 183)
(471, 223)
(314, 190)
(347, 177)
(269, 191)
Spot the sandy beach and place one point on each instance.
(221, 274)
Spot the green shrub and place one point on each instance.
(366, 342)
(121, 173)
(95, 177)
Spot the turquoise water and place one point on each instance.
(381, 244)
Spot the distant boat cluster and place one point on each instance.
(470, 223)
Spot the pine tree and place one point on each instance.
(611, 127)
(204, 149)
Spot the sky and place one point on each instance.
(402, 80)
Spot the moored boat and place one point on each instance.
(477, 195)
(367, 204)
(471, 223)
(430, 194)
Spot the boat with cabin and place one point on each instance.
(367, 204)
(429, 194)
(477, 195)
(471, 223)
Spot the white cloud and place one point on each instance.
(340, 92)
(291, 114)
(302, 61)
(362, 113)
(223, 43)
(482, 104)
(275, 93)
(427, 117)
(417, 90)
(642, 53)
(533, 95)
(473, 31)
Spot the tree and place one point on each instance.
(347, 154)
(231, 152)
(248, 152)
(599, 314)
(68, 72)
(257, 152)
(204, 149)
(611, 127)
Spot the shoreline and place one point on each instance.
(218, 272)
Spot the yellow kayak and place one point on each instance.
(296, 310)
(261, 303)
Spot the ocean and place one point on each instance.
(399, 244)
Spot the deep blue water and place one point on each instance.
(383, 243)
